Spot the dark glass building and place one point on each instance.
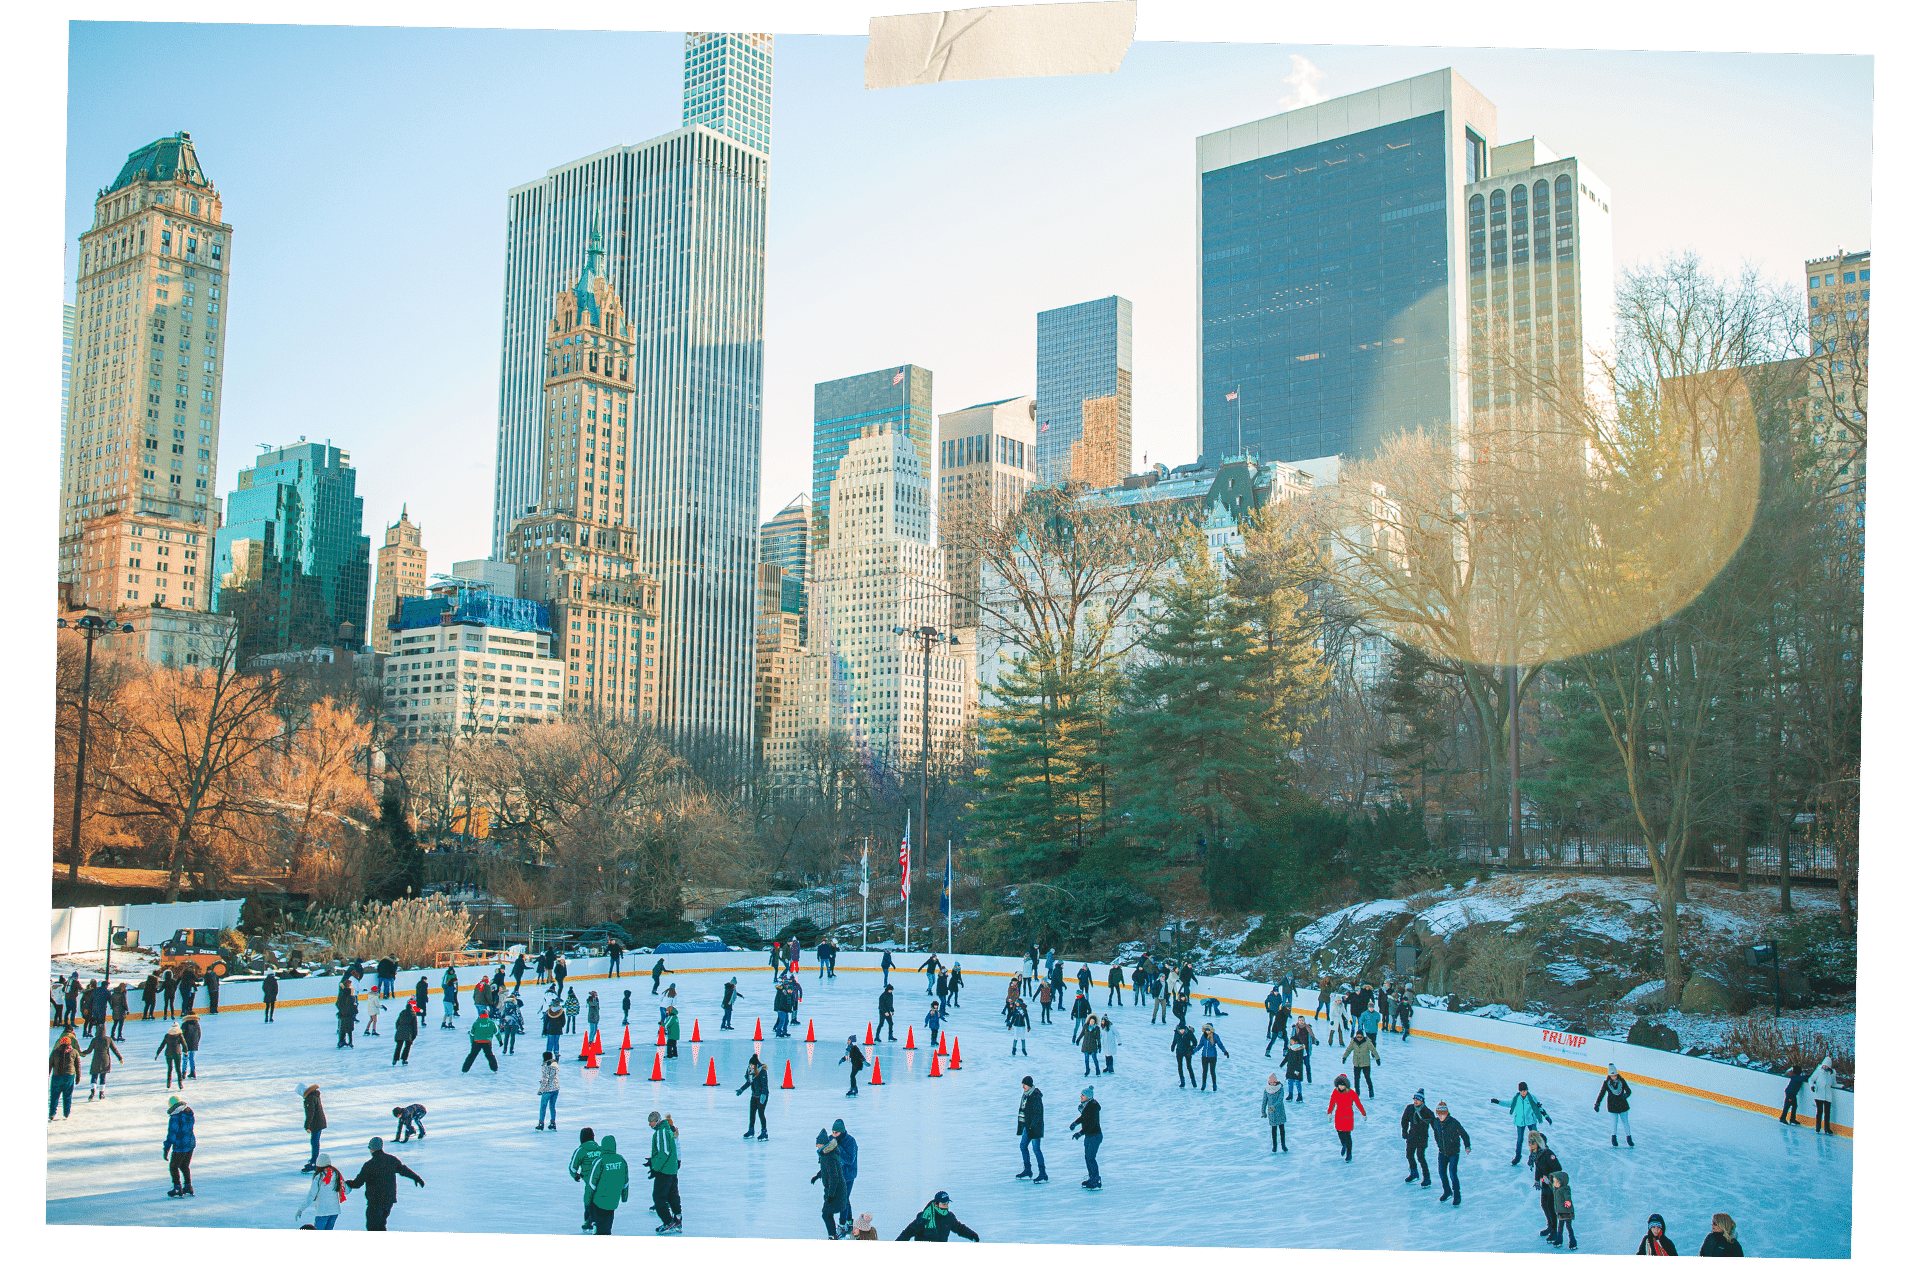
(1331, 270)
(1084, 353)
(896, 399)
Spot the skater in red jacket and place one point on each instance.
(1340, 1106)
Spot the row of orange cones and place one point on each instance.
(590, 1050)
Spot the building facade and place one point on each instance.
(987, 456)
(128, 560)
(1332, 248)
(786, 541)
(502, 577)
(292, 564)
(899, 399)
(684, 219)
(467, 661)
(1839, 289)
(1083, 392)
(166, 636)
(727, 86)
(400, 572)
(143, 414)
(779, 650)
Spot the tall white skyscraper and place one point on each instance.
(683, 220)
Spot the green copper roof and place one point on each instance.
(163, 160)
(589, 306)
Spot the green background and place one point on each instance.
(35, 83)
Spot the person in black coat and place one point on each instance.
(1722, 1241)
(346, 1008)
(149, 994)
(936, 1222)
(1030, 1122)
(1089, 1136)
(832, 1178)
(380, 1176)
(270, 994)
(1185, 1045)
(1543, 1163)
(406, 1029)
(886, 1010)
(421, 991)
(1450, 1137)
(1414, 1124)
(213, 991)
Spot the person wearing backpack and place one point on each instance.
(1615, 1091)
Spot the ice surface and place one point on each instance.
(1179, 1168)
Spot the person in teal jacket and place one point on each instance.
(607, 1186)
(1527, 1112)
(178, 1146)
(580, 1169)
(663, 1166)
(672, 1025)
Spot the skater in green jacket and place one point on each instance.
(663, 1166)
(606, 1186)
(585, 1156)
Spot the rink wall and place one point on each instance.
(1741, 1088)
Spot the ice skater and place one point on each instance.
(1273, 1109)
(1089, 1045)
(728, 994)
(1212, 1049)
(1527, 1112)
(1790, 1108)
(849, 1152)
(1415, 1123)
(856, 1063)
(1019, 1023)
(326, 1196)
(1364, 1055)
(1341, 1107)
(549, 1091)
(573, 1010)
(63, 1072)
(1544, 1164)
(832, 1178)
(1185, 1045)
(269, 995)
(1086, 1130)
(663, 1166)
(1046, 1004)
(380, 1176)
(100, 1055)
(1615, 1091)
(672, 1027)
(1305, 1038)
(936, 1222)
(660, 970)
(480, 1040)
(580, 1169)
(410, 1122)
(313, 1119)
(886, 1009)
(177, 1147)
(1450, 1139)
(1823, 1088)
(1030, 1123)
(758, 1087)
(1109, 1040)
(1655, 1243)
(933, 1024)
(174, 1045)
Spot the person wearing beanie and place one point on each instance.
(579, 1168)
(1030, 1123)
(849, 1168)
(1415, 1123)
(863, 1228)
(856, 1063)
(1655, 1242)
(1273, 1108)
(325, 1196)
(174, 1045)
(1450, 1136)
(663, 1166)
(936, 1222)
(1823, 1087)
(178, 1147)
(313, 1120)
(380, 1176)
(1340, 1105)
(1527, 1112)
(1615, 1091)
(1089, 1136)
(833, 1183)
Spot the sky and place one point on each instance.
(365, 172)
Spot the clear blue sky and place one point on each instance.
(365, 171)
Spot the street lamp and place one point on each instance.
(926, 638)
(94, 626)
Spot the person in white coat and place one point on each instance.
(1822, 1089)
(1109, 1040)
(325, 1196)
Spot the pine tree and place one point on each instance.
(1407, 695)
(1042, 782)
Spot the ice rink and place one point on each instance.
(1179, 1167)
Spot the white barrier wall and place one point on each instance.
(85, 928)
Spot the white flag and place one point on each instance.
(863, 870)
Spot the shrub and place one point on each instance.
(1497, 970)
(801, 927)
(1780, 1046)
(413, 930)
(1069, 912)
(1824, 953)
(650, 928)
(1271, 934)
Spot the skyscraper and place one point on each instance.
(986, 468)
(575, 553)
(67, 312)
(1331, 276)
(291, 563)
(729, 86)
(1839, 289)
(846, 409)
(785, 540)
(683, 219)
(401, 573)
(143, 414)
(1083, 391)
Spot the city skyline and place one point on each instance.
(1173, 94)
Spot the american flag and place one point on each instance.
(1044, 426)
(1234, 394)
(898, 375)
(906, 843)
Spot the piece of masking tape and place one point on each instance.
(999, 43)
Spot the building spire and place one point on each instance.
(587, 305)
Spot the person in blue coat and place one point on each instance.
(1527, 1112)
(933, 1024)
(850, 1168)
(178, 1146)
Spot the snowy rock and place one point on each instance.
(1705, 993)
(1653, 1035)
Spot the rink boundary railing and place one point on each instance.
(1741, 1088)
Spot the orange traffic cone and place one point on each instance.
(593, 1059)
(756, 1031)
(626, 1038)
(809, 1030)
(696, 1032)
(662, 1038)
(656, 1067)
(621, 1068)
(869, 1033)
(596, 1042)
(713, 1076)
(953, 1059)
(936, 1066)
(876, 1072)
(909, 1043)
(787, 1081)
(586, 1046)
(942, 1046)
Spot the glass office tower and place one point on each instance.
(896, 399)
(1083, 392)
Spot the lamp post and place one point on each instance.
(925, 638)
(93, 626)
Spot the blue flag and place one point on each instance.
(946, 885)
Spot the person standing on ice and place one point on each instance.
(189, 983)
(886, 965)
(1655, 1243)
(1089, 1046)
(856, 1062)
(1450, 1139)
(553, 1024)
(1082, 1009)
(1364, 1055)
(1019, 1023)
(728, 994)
(1158, 982)
(1109, 1040)
(1116, 978)
(1615, 1091)
(174, 1045)
(178, 1147)
(100, 1056)
(1276, 1018)
(1544, 1164)
(660, 970)
(63, 1072)
(1181, 1003)
(1722, 1241)
(380, 1176)
(1796, 1080)
(374, 1005)
(449, 998)
(1304, 1038)
(760, 1087)
(385, 972)
(1185, 1045)
(270, 993)
(955, 981)
(346, 1014)
(886, 1009)
(932, 967)
(933, 1024)
(1089, 1136)
(1403, 1011)
(1823, 1088)
(480, 1040)
(580, 1169)
(937, 1223)
(313, 1120)
(573, 1011)
(512, 1024)
(421, 993)
(1415, 1122)
(519, 970)
(1046, 1004)
(663, 1166)
(1527, 1112)
(943, 988)
(593, 1015)
(149, 993)
(560, 973)
(672, 1027)
(1030, 1123)
(117, 1002)
(1273, 1109)
(1340, 1106)
(1211, 1051)
(1325, 1005)
(549, 1092)
(169, 985)
(326, 1196)
(849, 1151)
(1296, 1061)
(833, 1183)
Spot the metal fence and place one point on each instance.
(1804, 857)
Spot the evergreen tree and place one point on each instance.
(407, 870)
(1409, 696)
(1042, 783)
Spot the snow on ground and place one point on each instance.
(130, 967)
(1179, 1167)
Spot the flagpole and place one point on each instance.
(863, 892)
(1238, 438)
(949, 897)
(906, 894)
